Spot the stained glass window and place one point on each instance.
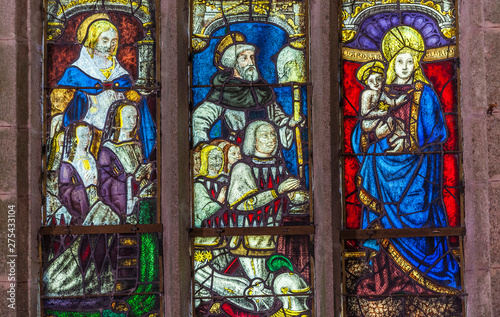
(252, 220)
(401, 159)
(101, 229)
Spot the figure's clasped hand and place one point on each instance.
(301, 122)
(288, 185)
(132, 95)
(401, 99)
(222, 195)
(143, 172)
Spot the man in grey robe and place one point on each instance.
(238, 89)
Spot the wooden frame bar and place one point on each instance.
(140, 228)
(401, 233)
(279, 231)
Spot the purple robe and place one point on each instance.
(72, 193)
(113, 181)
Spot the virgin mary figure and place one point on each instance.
(99, 80)
(403, 190)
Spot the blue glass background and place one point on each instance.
(269, 40)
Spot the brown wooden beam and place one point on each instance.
(400, 233)
(251, 231)
(382, 296)
(63, 230)
(99, 295)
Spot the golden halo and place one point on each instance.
(81, 34)
(231, 39)
(370, 68)
(402, 38)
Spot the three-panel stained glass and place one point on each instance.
(251, 197)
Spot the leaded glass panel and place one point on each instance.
(252, 276)
(100, 111)
(112, 273)
(384, 281)
(100, 233)
(401, 159)
(250, 158)
(249, 79)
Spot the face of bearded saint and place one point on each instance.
(245, 66)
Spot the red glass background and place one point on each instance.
(442, 75)
(65, 50)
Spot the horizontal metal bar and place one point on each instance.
(401, 153)
(117, 294)
(453, 113)
(290, 84)
(102, 87)
(311, 293)
(383, 296)
(251, 231)
(363, 254)
(401, 233)
(63, 230)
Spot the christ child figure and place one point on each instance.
(375, 107)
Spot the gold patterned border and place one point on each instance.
(433, 54)
(359, 254)
(243, 197)
(414, 273)
(414, 116)
(367, 199)
(66, 7)
(370, 202)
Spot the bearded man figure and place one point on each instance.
(238, 90)
(98, 80)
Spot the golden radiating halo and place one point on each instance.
(402, 38)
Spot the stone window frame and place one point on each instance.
(22, 23)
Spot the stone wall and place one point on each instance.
(480, 63)
(20, 150)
